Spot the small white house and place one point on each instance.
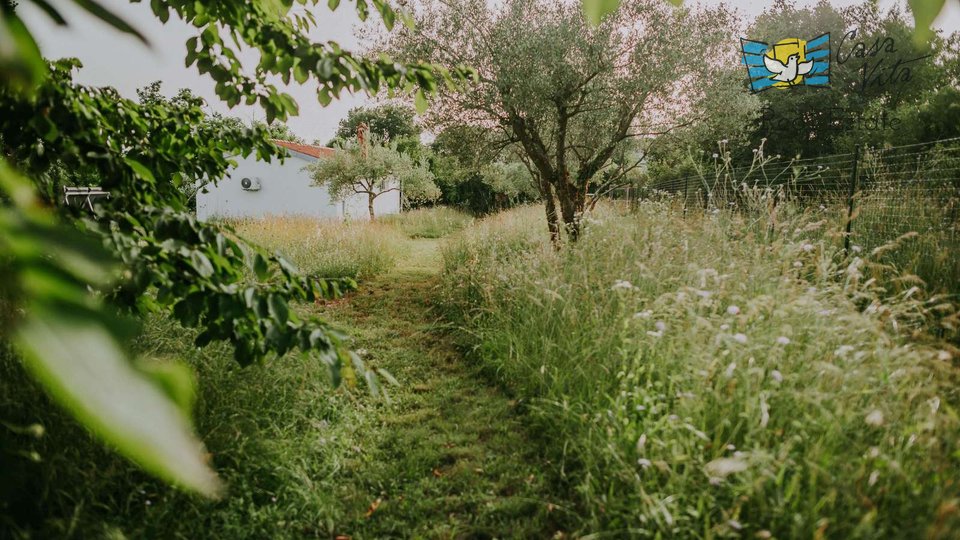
(256, 189)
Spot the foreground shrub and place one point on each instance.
(718, 375)
(326, 248)
(435, 222)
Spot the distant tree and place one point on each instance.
(279, 131)
(373, 168)
(476, 173)
(390, 121)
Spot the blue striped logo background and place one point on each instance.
(817, 49)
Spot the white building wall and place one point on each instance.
(286, 189)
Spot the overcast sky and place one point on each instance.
(112, 59)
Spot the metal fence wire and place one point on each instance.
(880, 194)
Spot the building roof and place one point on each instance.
(308, 149)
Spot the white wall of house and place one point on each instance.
(286, 189)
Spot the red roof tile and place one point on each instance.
(308, 149)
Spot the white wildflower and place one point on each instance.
(764, 411)
(641, 443)
(733, 310)
(740, 338)
(934, 404)
(734, 524)
(723, 467)
(874, 452)
(776, 376)
(843, 350)
(875, 418)
(622, 284)
(797, 264)
(644, 463)
(783, 340)
(807, 247)
(654, 334)
(715, 155)
(874, 476)
(731, 447)
(730, 369)
(660, 326)
(645, 314)
(856, 249)
(724, 141)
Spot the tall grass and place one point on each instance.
(326, 248)
(727, 374)
(435, 222)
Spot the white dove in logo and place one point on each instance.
(789, 71)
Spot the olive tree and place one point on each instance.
(372, 168)
(570, 94)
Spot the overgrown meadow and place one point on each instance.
(720, 374)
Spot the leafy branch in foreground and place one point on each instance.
(65, 299)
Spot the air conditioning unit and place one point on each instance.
(250, 184)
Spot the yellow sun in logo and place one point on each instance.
(781, 52)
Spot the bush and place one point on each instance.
(719, 375)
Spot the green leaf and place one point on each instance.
(107, 16)
(420, 102)
(141, 169)
(84, 369)
(175, 379)
(596, 10)
(924, 13)
(278, 308)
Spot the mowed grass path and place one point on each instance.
(449, 455)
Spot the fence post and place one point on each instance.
(854, 185)
(686, 194)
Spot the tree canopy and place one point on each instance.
(373, 168)
(569, 94)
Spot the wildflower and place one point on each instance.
(776, 376)
(724, 141)
(724, 326)
(842, 350)
(740, 338)
(875, 418)
(763, 534)
(723, 467)
(733, 310)
(797, 264)
(641, 442)
(731, 447)
(703, 294)
(730, 369)
(660, 326)
(874, 452)
(622, 284)
(715, 155)
(654, 334)
(714, 481)
(734, 524)
(807, 247)
(874, 476)
(645, 314)
(934, 404)
(644, 463)
(783, 340)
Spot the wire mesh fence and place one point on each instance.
(876, 194)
